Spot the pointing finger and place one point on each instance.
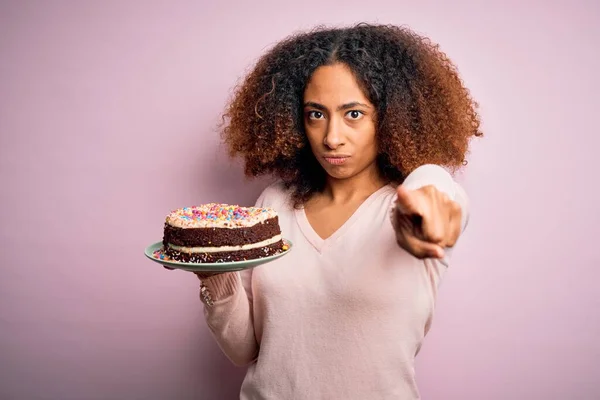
(406, 202)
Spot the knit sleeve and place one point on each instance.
(229, 316)
(228, 309)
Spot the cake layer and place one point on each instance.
(226, 256)
(217, 249)
(215, 237)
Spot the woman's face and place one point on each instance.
(339, 121)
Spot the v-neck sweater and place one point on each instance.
(336, 318)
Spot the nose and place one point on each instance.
(333, 137)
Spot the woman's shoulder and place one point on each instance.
(276, 195)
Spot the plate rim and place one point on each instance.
(229, 266)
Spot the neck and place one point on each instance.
(360, 186)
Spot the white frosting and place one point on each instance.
(191, 250)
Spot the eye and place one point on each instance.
(315, 115)
(355, 114)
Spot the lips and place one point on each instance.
(336, 159)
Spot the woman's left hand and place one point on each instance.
(426, 221)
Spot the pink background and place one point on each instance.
(107, 121)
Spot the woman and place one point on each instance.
(355, 123)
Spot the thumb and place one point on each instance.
(406, 202)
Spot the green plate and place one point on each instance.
(154, 250)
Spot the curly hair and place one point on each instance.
(425, 115)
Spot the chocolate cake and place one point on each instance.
(212, 233)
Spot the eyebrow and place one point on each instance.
(342, 107)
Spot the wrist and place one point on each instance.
(218, 286)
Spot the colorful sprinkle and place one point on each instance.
(160, 255)
(216, 214)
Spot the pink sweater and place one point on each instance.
(341, 318)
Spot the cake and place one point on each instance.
(212, 233)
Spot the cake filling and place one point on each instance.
(256, 245)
